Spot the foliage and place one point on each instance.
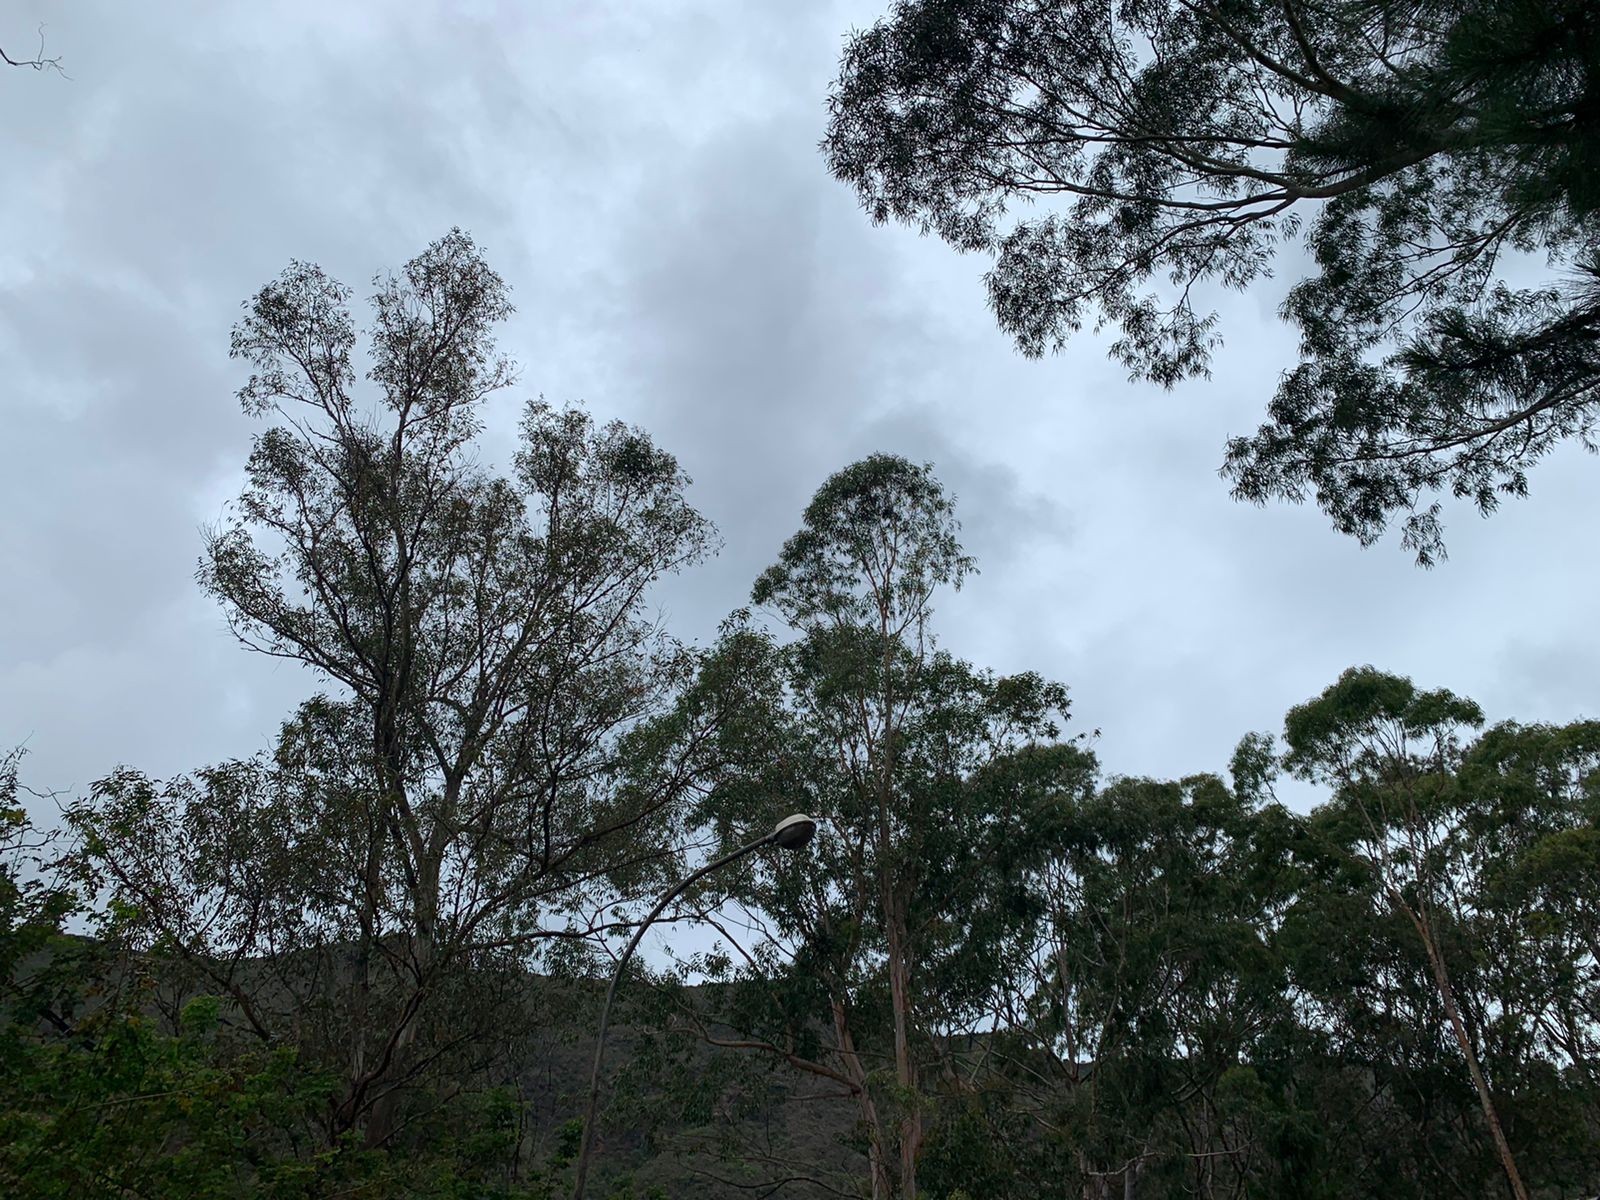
(1233, 999)
(1113, 158)
(1393, 995)
(993, 973)
(936, 784)
(108, 1090)
(467, 790)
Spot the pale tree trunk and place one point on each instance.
(380, 1125)
(877, 1157)
(904, 1067)
(1447, 996)
(894, 921)
(1096, 1184)
(1130, 1179)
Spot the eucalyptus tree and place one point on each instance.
(936, 783)
(1449, 941)
(1436, 161)
(1529, 846)
(462, 790)
(1142, 1041)
(1391, 995)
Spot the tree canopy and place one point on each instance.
(366, 961)
(1433, 163)
(469, 790)
(938, 782)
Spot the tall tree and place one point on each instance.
(932, 791)
(494, 671)
(1151, 1002)
(1529, 846)
(1113, 158)
(1392, 753)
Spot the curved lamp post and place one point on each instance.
(789, 834)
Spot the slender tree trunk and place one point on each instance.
(380, 1125)
(389, 759)
(1096, 1184)
(904, 1067)
(891, 908)
(1447, 995)
(882, 1177)
(360, 982)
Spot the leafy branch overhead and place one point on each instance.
(1436, 161)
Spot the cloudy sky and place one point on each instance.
(645, 176)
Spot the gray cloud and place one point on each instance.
(645, 176)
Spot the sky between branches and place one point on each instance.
(645, 176)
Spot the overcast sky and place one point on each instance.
(645, 176)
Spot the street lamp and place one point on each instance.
(789, 834)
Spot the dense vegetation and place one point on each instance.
(366, 961)
(361, 964)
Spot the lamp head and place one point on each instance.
(794, 831)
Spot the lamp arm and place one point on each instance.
(586, 1142)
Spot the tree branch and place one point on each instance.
(38, 62)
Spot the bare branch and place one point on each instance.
(38, 62)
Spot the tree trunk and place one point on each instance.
(877, 1156)
(380, 1125)
(1447, 995)
(1130, 1179)
(360, 983)
(904, 1068)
